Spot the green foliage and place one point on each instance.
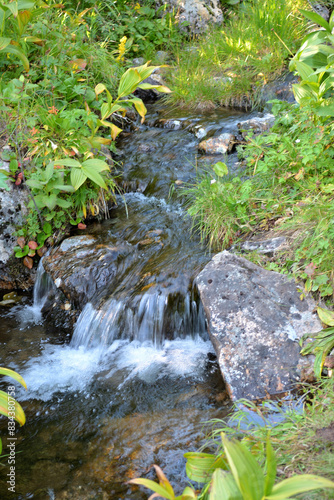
(244, 478)
(60, 115)
(314, 63)
(5, 399)
(323, 342)
(230, 65)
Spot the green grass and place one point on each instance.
(230, 64)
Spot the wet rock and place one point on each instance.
(257, 124)
(255, 319)
(168, 123)
(81, 267)
(196, 15)
(146, 148)
(217, 145)
(12, 210)
(266, 247)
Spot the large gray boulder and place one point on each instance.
(255, 319)
(196, 15)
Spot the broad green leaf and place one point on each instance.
(159, 88)
(246, 471)
(306, 72)
(25, 4)
(145, 71)
(63, 203)
(4, 42)
(298, 484)
(316, 18)
(47, 228)
(319, 363)
(10, 49)
(271, 468)
(50, 201)
(77, 177)
(223, 487)
(19, 413)
(188, 494)
(94, 176)
(33, 39)
(99, 89)
(129, 82)
(302, 93)
(220, 169)
(14, 375)
(13, 7)
(199, 466)
(326, 316)
(114, 131)
(331, 21)
(140, 107)
(99, 165)
(105, 110)
(152, 485)
(34, 183)
(64, 187)
(49, 171)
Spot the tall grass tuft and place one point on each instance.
(229, 64)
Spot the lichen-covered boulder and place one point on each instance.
(255, 318)
(196, 15)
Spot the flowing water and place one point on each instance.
(134, 383)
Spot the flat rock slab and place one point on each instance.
(255, 319)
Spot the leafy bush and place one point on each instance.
(58, 118)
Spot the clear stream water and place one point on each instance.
(122, 393)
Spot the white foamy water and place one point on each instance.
(62, 368)
(33, 314)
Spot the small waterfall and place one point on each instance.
(152, 318)
(42, 287)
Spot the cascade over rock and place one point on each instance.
(255, 319)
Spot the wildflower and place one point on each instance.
(121, 49)
(53, 110)
(297, 140)
(137, 6)
(213, 181)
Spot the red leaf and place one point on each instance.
(41, 251)
(32, 245)
(81, 225)
(310, 269)
(28, 262)
(21, 242)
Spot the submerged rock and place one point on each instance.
(255, 319)
(217, 145)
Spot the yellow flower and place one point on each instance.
(121, 49)
(137, 6)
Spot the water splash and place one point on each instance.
(153, 317)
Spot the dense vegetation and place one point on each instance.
(66, 84)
